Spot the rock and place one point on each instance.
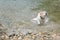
(3, 29)
(13, 37)
(58, 37)
(20, 36)
(4, 36)
(38, 37)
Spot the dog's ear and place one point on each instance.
(46, 14)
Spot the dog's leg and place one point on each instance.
(38, 21)
(34, 20)
(46, 20)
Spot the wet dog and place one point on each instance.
(42, 18)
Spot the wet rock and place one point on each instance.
(58, 37)
(3, 29)
(29, 36)
(20, 36)
(13, 37)
(53, 35)
(38, 36)
(4, 36)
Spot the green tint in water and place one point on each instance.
(52, 7)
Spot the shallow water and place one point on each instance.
(22, 10)
(16, 10)
(17, 14)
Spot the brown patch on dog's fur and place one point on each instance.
(41, 13)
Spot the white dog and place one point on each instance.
(42, 17)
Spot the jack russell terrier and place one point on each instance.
(42, 17)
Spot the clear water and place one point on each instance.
(22, 11)
(16, 10)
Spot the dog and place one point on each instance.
(42, 18)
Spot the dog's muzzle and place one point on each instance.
(42, 17)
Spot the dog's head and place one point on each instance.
(43, 14)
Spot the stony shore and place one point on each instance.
(30, 36)
(39, 35)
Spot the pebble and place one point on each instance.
(31, 36)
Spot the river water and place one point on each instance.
(18, 13)
(16, 10)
